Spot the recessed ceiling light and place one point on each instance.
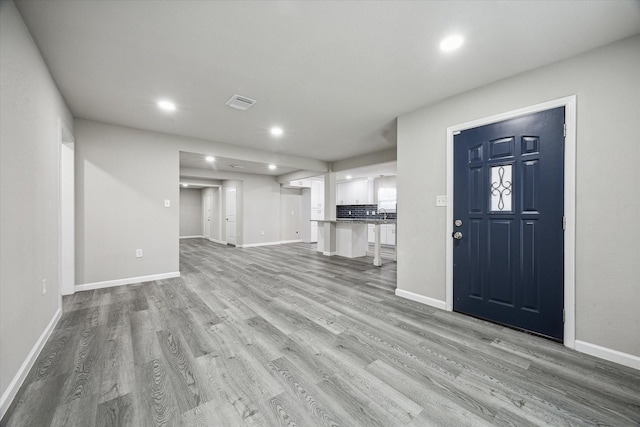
(276, 131)
(272, 167)
(185, 185)
(209, 159)
(166, 105)
(451, 43)
(348, 176)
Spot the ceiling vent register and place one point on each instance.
(240, 102)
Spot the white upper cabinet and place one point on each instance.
(317, 194)
(357, 192)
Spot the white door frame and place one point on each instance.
(66, 209)
(569, 103)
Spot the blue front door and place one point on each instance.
(508, 251)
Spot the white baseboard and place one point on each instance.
(127, 281)
(421, 299)
(609, 354)
(281, 242)
(11, 391)
(329, 253)
(222, 242)
(191, 237)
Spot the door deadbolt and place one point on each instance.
(458, 223)
(457, 235)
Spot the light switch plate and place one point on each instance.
(167, 203)
(441, 200)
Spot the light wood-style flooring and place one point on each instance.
(282, 335)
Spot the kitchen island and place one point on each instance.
(351, 237)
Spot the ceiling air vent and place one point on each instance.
(240, 102)
(237, 166)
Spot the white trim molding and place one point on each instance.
(328, 253)
(191, 237)
(281, 242)
(15, 384)
(126, 281)
(569, 103)
(421, 299)
(609, 354)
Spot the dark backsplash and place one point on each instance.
(360, 211)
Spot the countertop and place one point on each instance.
(358, 221)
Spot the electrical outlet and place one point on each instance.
(441, 200)
(44, 286)
(293, 213)
(262, 233)
(138, 253)
(167, 203)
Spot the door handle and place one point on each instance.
(456, 235)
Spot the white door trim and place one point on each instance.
(569, 103)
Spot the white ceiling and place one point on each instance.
(223, 164)
(372, 171)
(334, 75)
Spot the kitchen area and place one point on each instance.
(365, 218)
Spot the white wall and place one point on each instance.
(30, 106)
(607, 84)
(261, 209)
(191, 212)
(123, 177)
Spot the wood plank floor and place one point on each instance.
(282, 335)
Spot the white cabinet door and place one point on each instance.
(353, 192)
(391, 235)
(383, 234)
(371, 233)
(360, 192)
(341, 193)
(317, 194)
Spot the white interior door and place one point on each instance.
(208, 218)
(231, 215)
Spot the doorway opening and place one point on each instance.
(201, 213)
